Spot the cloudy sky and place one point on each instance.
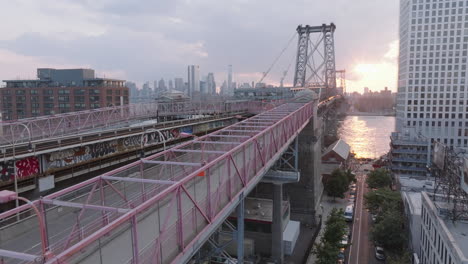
(146, 40)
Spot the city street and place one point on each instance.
(361, 250)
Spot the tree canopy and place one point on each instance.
(381, 200)
(389, 231)
(379, 178)
(337, 184)
(327, 250)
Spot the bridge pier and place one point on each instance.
(305, 195)
(277, 247)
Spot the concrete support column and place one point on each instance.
(277, 248)
(305, 195)
(240, 230)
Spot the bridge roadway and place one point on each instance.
(159, 209)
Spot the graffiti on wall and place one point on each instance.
(24, 168)
(77, 155)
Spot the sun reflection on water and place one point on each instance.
(368, 136)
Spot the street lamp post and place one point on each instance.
(6, 196)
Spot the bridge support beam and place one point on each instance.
(305, 195)
(277, 230)
(240, 230)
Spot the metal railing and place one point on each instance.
(161, 208)
(24, 130)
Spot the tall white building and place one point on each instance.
(193, 79)
(432, 94)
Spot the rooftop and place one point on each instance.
(459, 231)
(413, 184)
(414, 201)
(340, 147)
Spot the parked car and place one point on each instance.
(352, 192)
(352, 198)
(341, 255)
(379, 253)
(373, 217)
(344, 240)
(348, 213)
(348, 231)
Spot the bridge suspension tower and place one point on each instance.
(315, 62)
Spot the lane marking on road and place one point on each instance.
(360, 224)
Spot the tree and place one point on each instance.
(381, 200)
(400, 258)
(327, 250)
(389, 233)
(351, 176)
(379, 178)
(335, 227)
(337, 184)
(326, 253)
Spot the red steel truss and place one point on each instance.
(159, 209)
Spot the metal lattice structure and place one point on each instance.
(159, 209)
(46, 127)
(341, 76)
(315, 62)
(447, 182)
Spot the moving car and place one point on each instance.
(379, 253)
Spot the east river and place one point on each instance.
(368, 136)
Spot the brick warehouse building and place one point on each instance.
(60, 91)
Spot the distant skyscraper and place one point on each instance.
(162, 85)
(193, 79)
(432, 92)
(210, 83)
(133, 89)
(179, 84)
(203, 89)
(224, 88)
(155, 86)
(230, 90)
(170, 86)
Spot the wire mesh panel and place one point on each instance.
(159, 209)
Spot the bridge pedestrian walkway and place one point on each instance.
(159, 209)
